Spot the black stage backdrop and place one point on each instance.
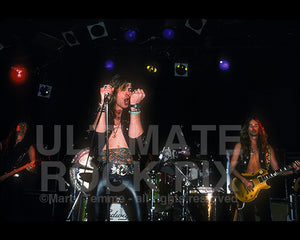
(263, 76)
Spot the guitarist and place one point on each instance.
(16, 151)
(252, 153)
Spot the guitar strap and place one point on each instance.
(268, 157)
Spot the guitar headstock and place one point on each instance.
(296, 165)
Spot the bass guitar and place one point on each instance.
(7, 175)
(259, 180)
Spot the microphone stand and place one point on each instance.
(107, 159)
(85, 167)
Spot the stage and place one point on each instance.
(202, 78)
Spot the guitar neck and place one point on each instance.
(2, 178)
(277, 173)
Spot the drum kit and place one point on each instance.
(181, 191)
(194, 198)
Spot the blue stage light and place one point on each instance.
(168, 33)
(130, 35)
(224, 65)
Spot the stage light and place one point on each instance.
(168, 33)
(181, 69)
(70, 38)
(44, 91)
(224, 65)
(109, 65)
(18, 74)
(130, 35)
(151, 69)
(97, 30)
(196, 25)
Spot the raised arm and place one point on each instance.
(101, 127)
(135, 125)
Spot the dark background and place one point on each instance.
(263, 76)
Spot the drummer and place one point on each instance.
(124, 116)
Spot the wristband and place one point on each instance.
(138, 112)
(136, 106)
(100, 106)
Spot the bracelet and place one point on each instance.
(136, 106)
(137, 112)
(100, 106)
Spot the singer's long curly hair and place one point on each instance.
(262, 140)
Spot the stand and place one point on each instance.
(79, 196)
(107, 160)
(185, 192)
(165, 156)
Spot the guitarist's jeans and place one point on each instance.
(261, 207)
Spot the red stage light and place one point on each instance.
(18, 74)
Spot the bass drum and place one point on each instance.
(83, 172)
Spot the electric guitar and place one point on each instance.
(259, 180)
(7, 175)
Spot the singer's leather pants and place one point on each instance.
(121, 186)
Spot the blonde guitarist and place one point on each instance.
(250, 155)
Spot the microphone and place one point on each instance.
(106, 97)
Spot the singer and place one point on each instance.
(124, 118)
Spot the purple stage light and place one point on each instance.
(109, 65)
(224, 65)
